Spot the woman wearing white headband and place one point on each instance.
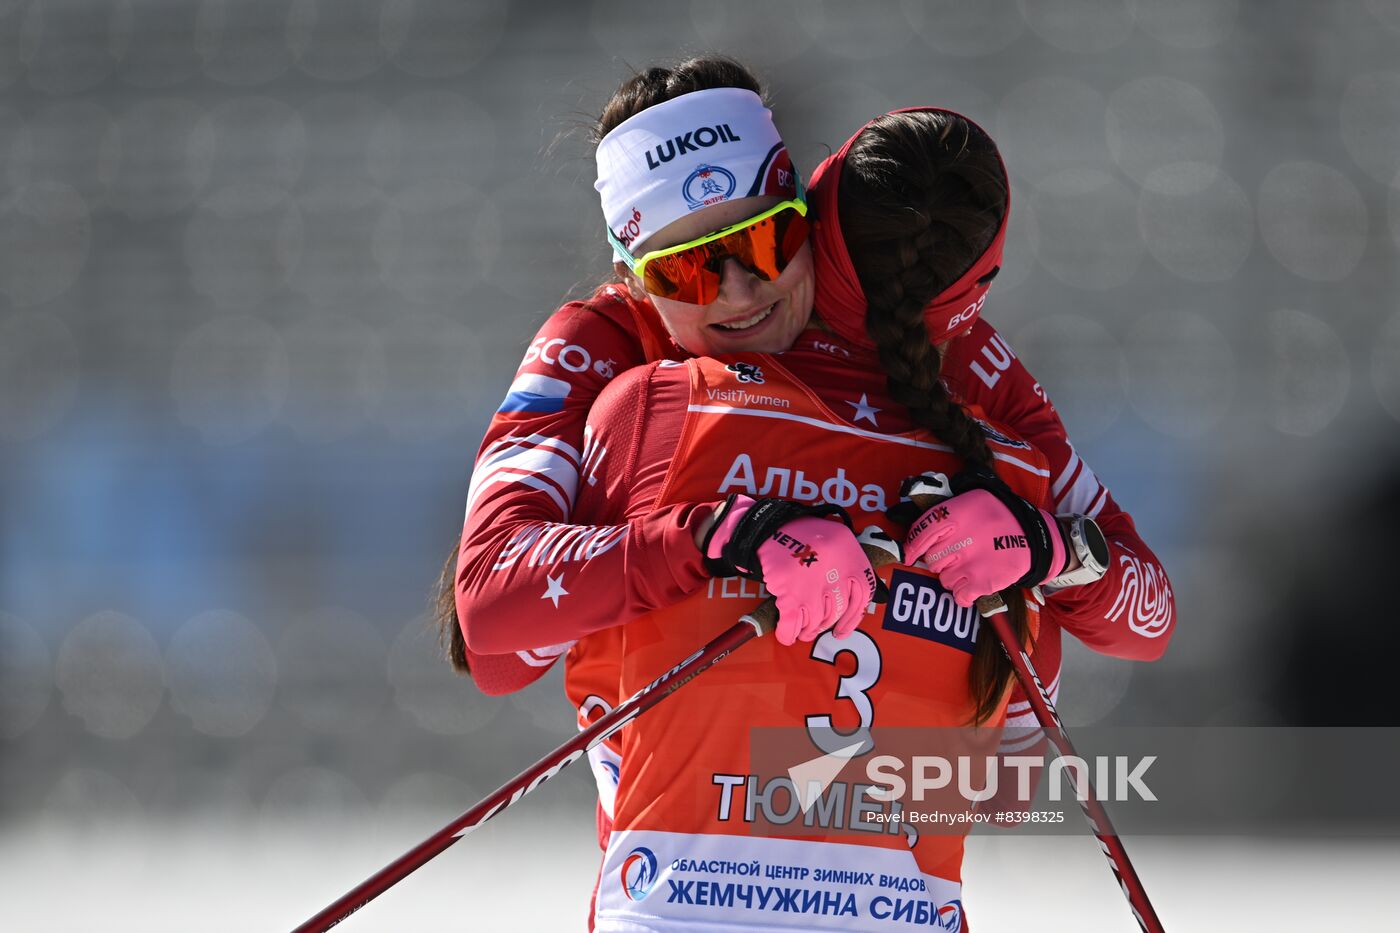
(670, 191)
(673, 180)
(672, 171)
(528, 471)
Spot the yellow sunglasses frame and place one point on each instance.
(638, 264)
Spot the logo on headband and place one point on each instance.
(969, 314)
(694, 141)
(631, 229)
(780, 178)
(708, 184)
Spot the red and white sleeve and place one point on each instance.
(1129, 613)
(529, 459)
(549, 552)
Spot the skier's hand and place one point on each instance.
(985, 538)
(813, 565)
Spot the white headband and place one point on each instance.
(687, 153)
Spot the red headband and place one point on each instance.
(841, 302)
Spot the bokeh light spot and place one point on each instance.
(331, 671)
(243, 43)
(26, 675)
(1050, 124)
(1313, 220)
(45, 235)
(1196, 221)
(242, 243)
(857, 32)
(1370, 118)
(1310, 372)
(1155, 121)
(1076, 359)
(1080, 25)
(441, 240)
(749, 31)
(429, 387)
(40, 369)
(336, 40)
(166, 154)
(256, 140)
(426, 687)
(66, 46)
(432, 135)
(1085, 229)
(334, 367)
(953, 27)
(1180, 372)
(229, 378)
(73, 142)
(442, 38)
(222, 673)
(1188, 24)
(111, 674)
(1385, 365)
(164, 35)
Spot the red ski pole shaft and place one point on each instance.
(762, 620)
(993, 609)
(756, 623)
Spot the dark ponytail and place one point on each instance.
(644, 89)
(450, 638)
(921, 197)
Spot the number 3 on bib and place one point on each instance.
(852, 687)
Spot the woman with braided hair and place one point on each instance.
(916, 193)
(528, 471)
(704, 808)
(633, 450)
(908, 194)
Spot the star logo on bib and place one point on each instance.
(864, 410)
(555, 590)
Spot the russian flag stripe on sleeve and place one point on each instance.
(535, 393)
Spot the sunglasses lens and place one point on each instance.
(770, 245)
(791, 235)
(683, 276)
(693, 275)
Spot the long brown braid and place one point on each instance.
(921, 196)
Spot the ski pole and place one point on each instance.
(927, 491)
(879, 548)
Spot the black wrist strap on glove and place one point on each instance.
(1032, 522)
(739, 555)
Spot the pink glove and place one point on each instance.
(814, 567)
(977, 545)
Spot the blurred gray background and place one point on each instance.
(266, 269)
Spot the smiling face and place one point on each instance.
(750, 314)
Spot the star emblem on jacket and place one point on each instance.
(864, 410)
(555, 590)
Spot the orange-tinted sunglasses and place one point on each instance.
(691, 272)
